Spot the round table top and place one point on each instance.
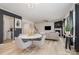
(30, 37)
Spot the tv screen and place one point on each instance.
(47, 27)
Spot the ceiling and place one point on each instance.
(38, 11)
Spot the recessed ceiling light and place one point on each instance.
(32, 5)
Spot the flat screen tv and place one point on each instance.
(47, 27)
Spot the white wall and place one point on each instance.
(41, 26)
(25, 24)
(8, 23)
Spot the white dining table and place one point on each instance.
(23, 36)
(35, 37)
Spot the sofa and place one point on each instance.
(51, 35)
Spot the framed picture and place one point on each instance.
(17, 23)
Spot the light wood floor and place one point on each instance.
(49, 48)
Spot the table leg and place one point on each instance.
(66, 43)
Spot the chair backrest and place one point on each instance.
(19, 43)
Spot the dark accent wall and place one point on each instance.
(1, 28)
(64, 27)
(58, 24)
(10, 14)
(17, 32)
(3, 12)
(77, 27)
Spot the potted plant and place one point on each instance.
(67, 29)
